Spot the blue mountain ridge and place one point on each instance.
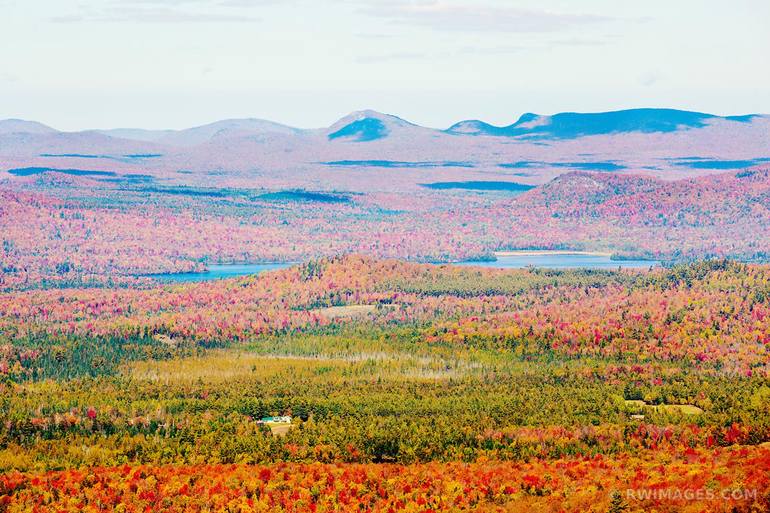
(570, 125)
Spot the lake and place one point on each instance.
(545, 260)
(218, 272)
(563, 261)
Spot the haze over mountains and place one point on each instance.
(353, 152)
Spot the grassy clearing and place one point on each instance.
(686, 409)
(337, 312)
(225, 365)
(279, 429)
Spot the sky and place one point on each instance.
(78, 64)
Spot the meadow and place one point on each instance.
(411, 387)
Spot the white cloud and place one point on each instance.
(447, 16)
(164, 11)
(649, 78)
(375, 59)
(8, 77)
(579, 42)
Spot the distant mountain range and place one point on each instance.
(569, 125)
(369, 125)
(667, 143)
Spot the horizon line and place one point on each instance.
(373, 111)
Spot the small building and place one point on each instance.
(284, 419)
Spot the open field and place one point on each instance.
(334, 312)
(687, 409)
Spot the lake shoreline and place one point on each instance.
(550, 252)
(218, 271)
(519, 259)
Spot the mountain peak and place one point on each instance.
(203, 133)
(369, 113)
(527, 117)
(21, 126)
(366, 125)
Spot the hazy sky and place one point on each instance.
(78, 64)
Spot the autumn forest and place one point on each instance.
(410, 387)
